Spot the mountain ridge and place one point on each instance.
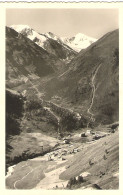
(52, 44)
(76, 81)
(24, 58)
(76, 43)
(79, 41)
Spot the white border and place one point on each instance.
(50, 5)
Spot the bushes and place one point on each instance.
(12, 126)
(116, 56)
(33, 104)
(91, 162)
(14, 104)
(14, 112)
(80, 179)
(104, 157)
(73, 182)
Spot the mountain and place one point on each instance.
(70, 45)
(90, 85)
(53, 36)
(79, 41)
(47, 41)
(58, 106)
(24, 58)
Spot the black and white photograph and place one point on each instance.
(62, 98)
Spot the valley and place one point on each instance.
(54, 169)
(62, 129)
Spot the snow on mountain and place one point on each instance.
(31, 34)
(76, 43)
(48, 41)
(39, 39)
(19, 28)
(79, 41)
(58, 39)
(53, 36)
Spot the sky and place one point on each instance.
(66, 22)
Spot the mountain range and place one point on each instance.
(78, 42)
(80, 82)
(55, 88)
(91, 82)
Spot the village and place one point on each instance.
(72, 144)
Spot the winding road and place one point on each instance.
(19, 180)
(93, 96)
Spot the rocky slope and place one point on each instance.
(50, 41)
(47, 41)
(24, 58)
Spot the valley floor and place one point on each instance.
(97, 161)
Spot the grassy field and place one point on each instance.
(97, 161)
(29, 145)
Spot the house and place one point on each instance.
(83, 134)
(88, 132)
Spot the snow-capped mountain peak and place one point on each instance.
(53, 36)
(76, 43)
(44, 41)
(31, 34)
(82, 37)
(50, 35)
(79, 41)
(20, 27)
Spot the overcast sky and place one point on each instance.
(66, 22)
